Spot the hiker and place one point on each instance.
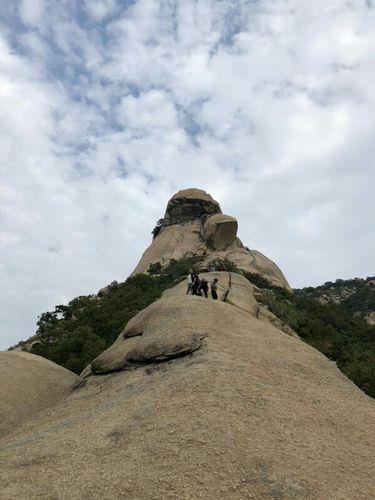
(196, 282)
(190, 282)
(203, 287)
(214, 289)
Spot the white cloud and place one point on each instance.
(150, 110)
(99, 9)
(267, 105)
(31, 11)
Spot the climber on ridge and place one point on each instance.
(214, 289)
(203, 287)
(196, 284)
(190, 282)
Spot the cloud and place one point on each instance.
(99, 9)
(31, 11)
(109, 107)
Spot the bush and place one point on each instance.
(348, 341)
(154, 268)
(223, 265)
(73, 335)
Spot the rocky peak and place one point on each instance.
(190, 204)
(194, 226)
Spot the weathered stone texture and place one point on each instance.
(219, 231)
(28, 385)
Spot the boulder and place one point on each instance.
(188, 205)
(28, 385)
(165, 345)
(219, 231)
(161, 331)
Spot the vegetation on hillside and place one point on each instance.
(348, 341)
(356, 296)
(74, 334)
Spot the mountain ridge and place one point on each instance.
(188, 397)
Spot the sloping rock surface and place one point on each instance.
(28, 385)
(165, 329)
(246, 412)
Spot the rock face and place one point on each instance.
(188, 205)
(219, 231)
(194, 225)
(28, 385)
(370, 318)
(210, 402)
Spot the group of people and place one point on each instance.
(199, 286)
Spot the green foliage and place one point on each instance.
(355, 295)
(73, 335)
(223, 265)
(154, 268)
(362, 300)
(178, 268)
(348, 341)
(74, 349)
(258, 280)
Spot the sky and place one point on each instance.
(109, 107)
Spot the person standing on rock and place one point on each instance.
(203, 287)
(196, 284)
(190, 282)
(214, 289)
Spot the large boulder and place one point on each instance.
(28, 385)
(219, 231)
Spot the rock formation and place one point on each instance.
(28, 385)
(194, 225)
(199, 398)
(145, 338)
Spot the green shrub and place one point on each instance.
(348, 341)
(223, 265)
(73, 335)
(154, 268)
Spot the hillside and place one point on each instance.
(199, 399)
(355, 296)
(72, 335)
